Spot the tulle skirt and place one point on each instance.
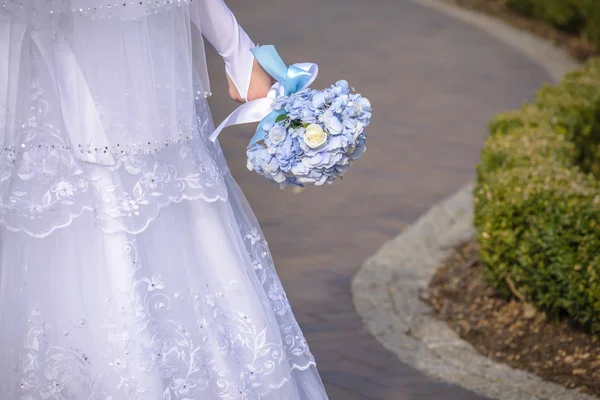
(189, 307)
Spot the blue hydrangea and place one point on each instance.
(320, 133)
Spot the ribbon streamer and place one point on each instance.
(80, 116)
(289, 80)
(78, 109)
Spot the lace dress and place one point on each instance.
(131, 266)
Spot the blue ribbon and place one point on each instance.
(292, 79)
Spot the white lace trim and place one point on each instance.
(72, 217)
(289, 378)
(127, 199)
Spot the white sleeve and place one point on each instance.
(220, 27)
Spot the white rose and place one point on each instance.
(314, 136)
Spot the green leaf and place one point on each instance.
(281, 117)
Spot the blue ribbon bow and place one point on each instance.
(293, 79)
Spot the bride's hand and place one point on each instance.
(260, 83)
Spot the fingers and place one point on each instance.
(233, 92)
(260, 84)
(236, 97)
(259, 91)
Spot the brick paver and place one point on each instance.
(434, 84)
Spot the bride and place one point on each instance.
(131, 266)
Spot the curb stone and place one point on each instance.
(386, 293)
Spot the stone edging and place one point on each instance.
(387, 288)
(386, 292)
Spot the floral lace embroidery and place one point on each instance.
(44, 186)
(144, 346)
(296, 346)
(53, 372)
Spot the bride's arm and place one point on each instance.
(221, 29)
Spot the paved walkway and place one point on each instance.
(434, 84)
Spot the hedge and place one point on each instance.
(537, 200)
(574, 16)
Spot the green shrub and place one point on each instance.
(575, 108)
(592, 29)
(537, 208)
(574, 16)
(524, 7)
(568, 15)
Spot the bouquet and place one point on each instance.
(305, 136)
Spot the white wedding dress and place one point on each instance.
(131, 266)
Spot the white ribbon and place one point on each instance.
(252, 111)
(81, 119)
